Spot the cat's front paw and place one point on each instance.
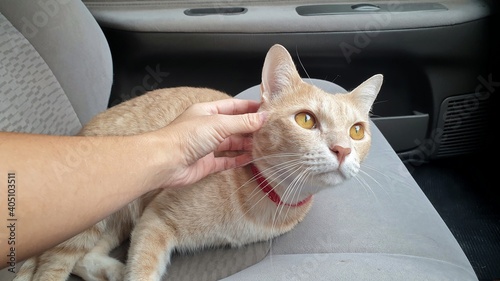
(95, 266)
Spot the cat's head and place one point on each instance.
(311, 138)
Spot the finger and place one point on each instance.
(236, 142)
(242, 159)
(233, 106)
(226, 163)
(228, 125)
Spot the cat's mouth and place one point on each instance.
(334, 175)
(334, 171)
(331, 178)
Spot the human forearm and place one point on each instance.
(57, 178)
(66, 184)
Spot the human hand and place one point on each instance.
(204, 129)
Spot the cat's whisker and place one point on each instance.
(404, 184)
(288, 190)
(366, 186)
(372, 168)
(300, 183)
(296, 182)
(272, 178)
(252, 179)
(370, 177)
(363, 173)
(380, 101)
(302, 65)
(277, 155)
(279, 167)
(294, 189)
(285, 196)
(287, 166)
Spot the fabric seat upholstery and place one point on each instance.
(56, 66)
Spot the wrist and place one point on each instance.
(157, 158)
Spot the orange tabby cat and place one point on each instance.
(312, 140)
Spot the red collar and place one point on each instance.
(268, 189)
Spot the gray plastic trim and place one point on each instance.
(159, 16)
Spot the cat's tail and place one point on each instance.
(57, 263)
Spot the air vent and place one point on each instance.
(462, 124)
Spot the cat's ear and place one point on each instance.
(366, 93)
(278, 74)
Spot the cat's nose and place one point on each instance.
(340, 152)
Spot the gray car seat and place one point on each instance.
(56, 73)
(56, 66)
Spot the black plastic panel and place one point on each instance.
(421, 67)
(404, 132)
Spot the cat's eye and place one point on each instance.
(305, 120)
(357, 131)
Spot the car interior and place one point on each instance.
(425, 207)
